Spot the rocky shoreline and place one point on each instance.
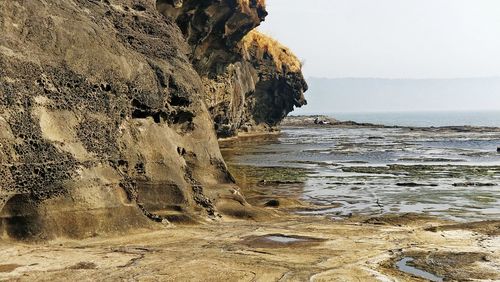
(326, 121)
(110, 165)
(281, 247)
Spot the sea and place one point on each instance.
(445, 172)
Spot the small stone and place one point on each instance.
(272, 203)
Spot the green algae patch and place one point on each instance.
(263, 176)
(425, 171)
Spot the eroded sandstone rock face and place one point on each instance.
(258, 91)
(214, 28)
(103, 119)
(252, 81)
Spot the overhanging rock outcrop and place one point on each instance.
(252, 81)
(104, 125)
(214, 28)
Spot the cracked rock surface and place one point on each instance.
(242, 251)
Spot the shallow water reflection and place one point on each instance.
(403, 266)
(383, 170)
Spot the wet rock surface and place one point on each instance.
(373, 171)
(449, 266)
(351, 174)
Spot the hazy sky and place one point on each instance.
(389, 95)
(390, 38)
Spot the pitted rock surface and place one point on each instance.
(107, 115)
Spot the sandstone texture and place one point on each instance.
(242, 251)
(107, 111)
(252, 81)
(256, 93)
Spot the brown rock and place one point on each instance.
(103, 125)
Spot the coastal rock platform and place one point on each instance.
(280, 248)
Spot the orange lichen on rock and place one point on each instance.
(283, 57)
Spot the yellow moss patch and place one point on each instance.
(259, 2)
(282, 56)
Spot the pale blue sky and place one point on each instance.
(390, 38)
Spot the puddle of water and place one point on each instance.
(402, 266)
(280, 241)
(284, 239)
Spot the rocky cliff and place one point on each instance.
(259, 90)
(107, 110)
(252, 81)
